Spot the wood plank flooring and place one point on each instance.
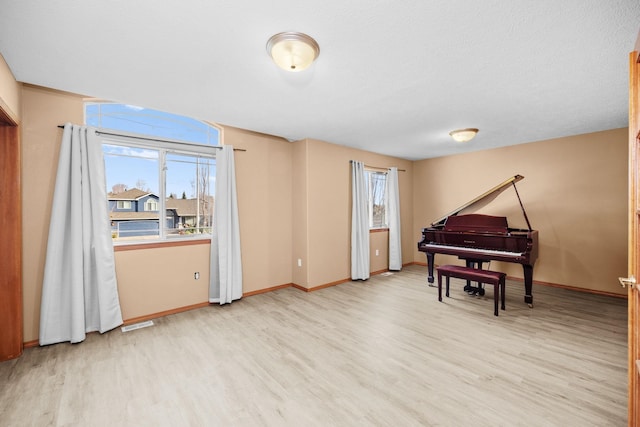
(383, 352)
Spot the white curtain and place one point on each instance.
(79, 290)
(393, 219)
(359, 224)
(226, 260)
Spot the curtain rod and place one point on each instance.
(378, 167)
(148, 138)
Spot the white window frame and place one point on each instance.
(369, 174)
(151, 203)
(163, 147)
(123, 204)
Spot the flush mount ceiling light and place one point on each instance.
(463, 135)
(293, 51)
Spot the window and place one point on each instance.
(377, 198)
(157, 189)
(151, 205)
(145, 121)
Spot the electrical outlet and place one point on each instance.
(299, 262)
(196, 275)
(377, 252)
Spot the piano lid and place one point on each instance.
(488, 196)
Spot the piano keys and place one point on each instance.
(478, 238)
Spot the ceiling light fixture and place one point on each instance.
(293, 51)
(463, 135)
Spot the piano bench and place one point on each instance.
(495, 278)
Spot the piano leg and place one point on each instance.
(469, 263)
(472, 290)
(430, 257)
(528, 284)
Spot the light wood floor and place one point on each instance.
(383, 352)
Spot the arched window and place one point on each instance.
(145, 121)
(163, 163)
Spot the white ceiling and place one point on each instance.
(393, 76)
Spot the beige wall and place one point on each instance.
(328, 207)
(162, 279)
(295, 198)
(379, 251)
(159, 279)
(263, 180)
(300, 214)
(574, 192)
(42, 111)
(9, 92)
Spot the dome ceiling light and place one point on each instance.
(463, 135)
(293, 51)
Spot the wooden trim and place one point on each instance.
(337, 282)
(326, 285)
(633, 305)
(164, 313)
(155, 245)
(554, 285)
(11, 304)
(265, 290)
(35, 343)
(131, 321)
(31, 344)
(571, 288)
(378, 230)
(7, 117)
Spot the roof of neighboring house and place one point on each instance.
(129, 216)
(188, 207)
(132, 194)
(183, 208)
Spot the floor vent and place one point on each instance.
(135, 326)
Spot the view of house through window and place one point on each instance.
(377, 198)
(157, 189)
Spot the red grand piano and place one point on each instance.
(482, 238)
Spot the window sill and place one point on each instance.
(158, 244)
(378, 230)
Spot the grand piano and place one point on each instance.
(478, 238)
